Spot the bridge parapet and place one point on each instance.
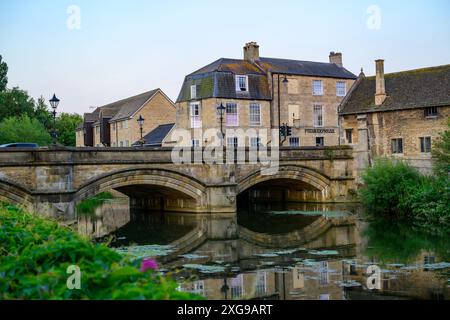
(60, 176)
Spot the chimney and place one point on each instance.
(336, 58)
(380, 94)
(251, 52)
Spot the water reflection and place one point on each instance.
(294, 252)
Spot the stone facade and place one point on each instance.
(398, 115)
(297, 108)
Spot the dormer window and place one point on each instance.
(241, 83)
(193, 92)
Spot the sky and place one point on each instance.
(93, 52)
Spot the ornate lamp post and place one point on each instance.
(141, 125)
(54, 102)
(221, 112)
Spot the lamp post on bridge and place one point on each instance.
(221, 112)
(141, 121)
(54, 102)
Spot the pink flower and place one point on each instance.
(148, 264)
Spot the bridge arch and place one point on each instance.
(160, 178)
(310, 178)
(14, 194)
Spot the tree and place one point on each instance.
(42, 113)
(65, 125)
(14, 103)
(3, 75)
(441, 153)
(23, 129)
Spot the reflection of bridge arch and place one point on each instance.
(14, 194)
(293, 239)
(161, 178)
(314, 180)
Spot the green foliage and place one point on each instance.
(65, 126)
(441, 154)
(15, 102)
(3, 75)
(386, 184)
(23, 129)
(395, 188)
(42, 114)
(35, 254)
(88, 206)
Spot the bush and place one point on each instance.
(23, 129)
(387, 184)
(35, 254)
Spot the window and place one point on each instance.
(195, 115)
(261, 284)
(237, 285)
(241, 83)
(127, 143)
(320, 142)
(317, 87)
(255, 114)
(125, 124)
(97, 130)
(318, 116)
(431, 112)
(349, 135)
(397, 146)
(232, 115)
(121, 143)
(294, 141)
(341, 88)
(255, 142)
(193, 92)
(324, 278)
(425, 144)
(195, 143)
(232, 142)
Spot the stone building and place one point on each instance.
(264, 93)
(115, 124)
(397, 115)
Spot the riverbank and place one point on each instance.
(44, 260)
(396, 190)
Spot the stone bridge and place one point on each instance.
(52, 181)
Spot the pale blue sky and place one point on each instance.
(128, 47)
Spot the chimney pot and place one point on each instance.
(251, 52)
(380, 94)
(336, 58)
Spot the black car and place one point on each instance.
(19, 145)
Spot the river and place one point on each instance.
(289, 252)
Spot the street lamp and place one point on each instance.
(221, 112)
(54, 102)
(141, 125)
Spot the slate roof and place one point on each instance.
(155, 138)
(217, 80)
(127, 107)
(428, 87)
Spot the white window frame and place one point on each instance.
(232, 142)
(194, 92)
(237, 287)
(294, 144)
(195, 143)
(125, 124)
(261, 283)
(315, 90)
(318, 117)
(255, 117)
(395, 146)
(341, 88)
(425, 144)
(195, 116)
(255, 142)
(232, 119)
(238, 78)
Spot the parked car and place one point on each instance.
(19, 145)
